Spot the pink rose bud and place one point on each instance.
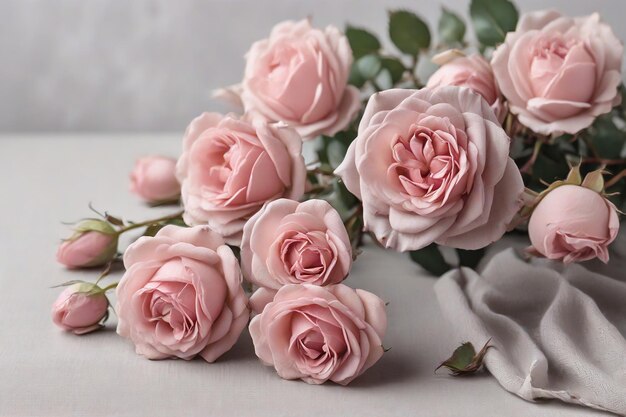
(320, 334)
(293, 243)
(154, 179)
(93, 244)
(80, 308)
(572, 224)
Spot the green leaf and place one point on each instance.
(355, 78)
(361, 41)
(369, 66)
(492, 20)
(465, 360)
(336, 151)
(395, 67)
(430, 259)
(470, 258)
(606, 138)
(408, 32)
(451, 27)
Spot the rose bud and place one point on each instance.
(293, 243)
(573, 223)
(93, 244)
(471, 71)
(154, 179)
(80, 308)
(181, 295)
(320, 334)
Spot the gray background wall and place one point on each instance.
(149, 65)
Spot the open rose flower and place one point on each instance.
(181, 295)
(573, 224)
(230, 167)
(154, 179)
(80, 308)
(299, 75)
(559, 73)
(319, 334)
(432, 165)
(292, 243)
(471, 71)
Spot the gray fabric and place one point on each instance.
(557, 331)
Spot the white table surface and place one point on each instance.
(43, 371)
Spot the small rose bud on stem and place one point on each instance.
(94, 243)
(81, 308)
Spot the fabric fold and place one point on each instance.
(558, 331)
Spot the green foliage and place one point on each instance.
(408, 32)
(451, 27)
(492, 20)
(470, 258)
(465, 360)
(431, 259)
(362, 42)
(394, 67)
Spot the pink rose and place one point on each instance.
(469, 71)
(229, 168)
(154, 179)
(288, 242)
(559, 73)
(93, 244)
(181, 295)
(432, 165)
(299, 75)
(573, 223)
(80, 308)
(320, 333)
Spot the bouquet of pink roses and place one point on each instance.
(521, 134)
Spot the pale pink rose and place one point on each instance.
(154, 179)
(181, 295)
(559, 73)
(474, 72)
(80, 308)
(288, 242)
(432, 165)
(319, 334)
(573, 224)
(93, 244)
(299, 75)
(230, 167)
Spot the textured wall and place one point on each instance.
(150, 65)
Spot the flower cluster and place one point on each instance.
(508, 138)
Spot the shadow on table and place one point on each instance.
(391, 369)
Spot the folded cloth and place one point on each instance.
(558, 331)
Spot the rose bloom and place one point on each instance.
(572, 224)
(320, 333)
(471, 71)
(230, 167)
(93, 244)
(299, 75)
(432, 165)
(181, 295)
(154, 179)
(559, 73)
(292, 243)
(80, 308)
